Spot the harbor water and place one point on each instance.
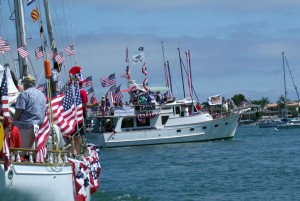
(257, 164)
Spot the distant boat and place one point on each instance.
(291, 124)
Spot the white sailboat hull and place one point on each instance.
(40, 182)
(187, 129)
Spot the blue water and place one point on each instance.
(257, 164)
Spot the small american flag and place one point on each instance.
(23, 51)
(66, 114)
(39, 52)
(118, 95)
(53, 53)
(108, 81)
(70, 50)
(87, 82)
(4, 46)
(4, 96)
(59, 58)
(90, 90)
(42, 88)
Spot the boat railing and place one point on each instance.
(25, 155)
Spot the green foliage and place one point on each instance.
(262, 102)
(238, 99)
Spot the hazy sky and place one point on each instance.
(236, 46)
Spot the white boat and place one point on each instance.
(291, 124)
(270, 122)
(153, 123)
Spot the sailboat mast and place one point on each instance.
(180, 61)
(284, 80)
(49, 25)
(21, 36)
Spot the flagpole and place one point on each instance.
(180, 61)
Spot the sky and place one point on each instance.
(235, 46)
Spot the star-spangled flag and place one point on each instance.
(23, 52)
(4, 46)
(111, 93)
(59, 58)
(144, 69)
(66, 113)
(108, 81)
(90, 90)
(87, 82)
(118, 95)
(39, 52)
(70, 50)
(30, 2)
(53, 53)
(42, 88)
(4, 96)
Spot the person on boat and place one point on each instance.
(158, 97)
(143, 99)
(30, 111)
(56, 84)
(198, 106)
(12, 133)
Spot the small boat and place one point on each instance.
(270, 122)
(293, 123)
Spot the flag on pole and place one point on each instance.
(118, 95)
(39, 52)
(215, 100)
(53, 53)
(4, 96)
(138, 58)
(23, 51)
(108, 81)
(87, 82)
(59, 58)
(144, 69)
(70, 50)
(4, 46)
(90, 90)
(168, 79)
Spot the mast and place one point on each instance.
(49, 25)
(21, 36)
(180, 61)
(284, 80)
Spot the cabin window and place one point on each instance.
(226, 123)
(164, 119)
(143, 122)
(109, 125)
(127, 123)
(192, 129)
(177, 110)
(216, 125)
(204, 127)
(178, 131)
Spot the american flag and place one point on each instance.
(39, 52)
(4, 46)
(87, 82)
(90, 90)
(118, 95)
(65, 113)
(111, 91)
(59, 58)
(23, 51)
(108, 81)
(42, 137)
(187, 53)
(144, 69)
(4, 96)
(70, 50)
(168, 79)
(42, 88)
(53, 53)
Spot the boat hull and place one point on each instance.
(37, 181)
(187, 131)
